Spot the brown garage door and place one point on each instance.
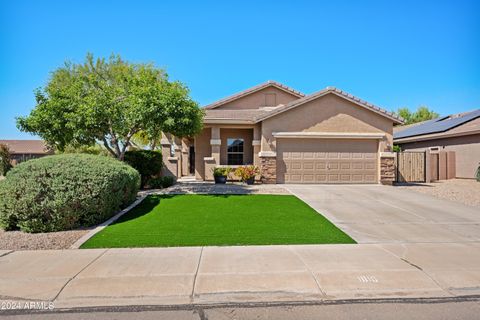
(326, 161)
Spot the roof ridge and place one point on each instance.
(252, 90)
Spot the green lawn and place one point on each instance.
(208, 220)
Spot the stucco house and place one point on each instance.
(459, 133)
(23, 150)
(329, 136)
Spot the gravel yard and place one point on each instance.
(17, 240)
(459, 190)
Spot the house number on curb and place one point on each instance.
(367, 279)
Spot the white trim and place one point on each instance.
(215, 142)
(387, 154)
(267, 154)
(329, 135)
(208, 158)
(172, 158)
(256, 142)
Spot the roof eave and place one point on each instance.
(227, 121)
(326, 91)
(434, 136)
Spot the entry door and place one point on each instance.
(327, 161)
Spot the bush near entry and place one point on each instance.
(65, 191)
(147, 162)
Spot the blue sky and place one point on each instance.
(393, 54)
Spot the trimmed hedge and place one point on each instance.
(63, 192)
(147, 162)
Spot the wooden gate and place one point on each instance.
(410, 166)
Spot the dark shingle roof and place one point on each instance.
(438, 125)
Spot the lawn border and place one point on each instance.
(77, 244)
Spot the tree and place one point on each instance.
(110, 101)
(423, 113)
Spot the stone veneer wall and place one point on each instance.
(387, 170)
(268, 169)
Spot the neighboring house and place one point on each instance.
(326, 137)
(457, 132)
(23, 150)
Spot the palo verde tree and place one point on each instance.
(110, 100)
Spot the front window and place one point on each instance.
(235, 152)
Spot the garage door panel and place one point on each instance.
(357, 165)
(369, 166)
(345, 165)
(327, 161)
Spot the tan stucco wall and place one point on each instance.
(246, 135)
(257, 99)
(328, 113)
(467, 152)
(202, 149)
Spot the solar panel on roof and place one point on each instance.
(436, 125)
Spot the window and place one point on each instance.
(234, 152)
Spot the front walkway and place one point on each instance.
(206, 275)
(203, 187)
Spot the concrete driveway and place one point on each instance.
(385, 214)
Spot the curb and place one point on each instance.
(101, 226)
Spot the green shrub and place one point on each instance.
(221, 171)
(161, 182)
(65, 191)
(147, 162)
(5, 164)
(477, 174)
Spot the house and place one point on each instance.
(23, 150)
(458, 133)
(329, 136)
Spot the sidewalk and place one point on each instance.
(211, 275)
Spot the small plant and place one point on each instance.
(477, 174)
(220, 174)
(247, 173)
(221, 171)
(5, 164)
(161, 182)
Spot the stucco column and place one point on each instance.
(170, 162)
(256, 143)
(185, 157)
(216, 142)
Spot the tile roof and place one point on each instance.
(241, 114)
(26, 146)
(252, 90)
(438, 125)
(338, 92)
